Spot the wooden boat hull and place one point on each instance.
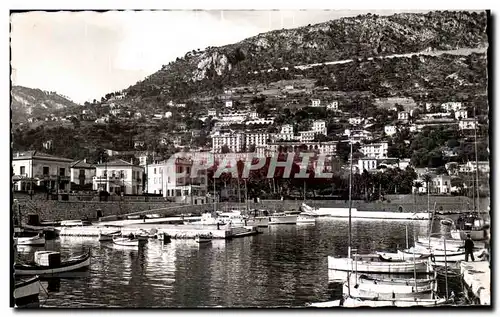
(202, 240)
(402, 302)
(366, 279)
(476, 235)
(126, 242)
(304, 219)
(76, 263)
(386, 292)
(26, 293)
(283, 220)
(363, 266)
(33, 241)
(258, 221)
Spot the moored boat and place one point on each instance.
(400, 302)
(282, 218)
(26, 292)
(203, 238)
(339, 268)
(49, 262)
(107, 236)
(304, 219)
(372, 291)
(126, 241)
(364, 278)
(32, 239)
(259, 221)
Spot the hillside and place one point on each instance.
(360, 37)
(28, 102)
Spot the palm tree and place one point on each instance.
(427, 178)
(417, 185)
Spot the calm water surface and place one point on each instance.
(285, 266)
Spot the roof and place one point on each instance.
(29, 155)
(81, 164)
(117, 162)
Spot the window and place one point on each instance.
(122, 174)
(154, 170)
(62, 171)
(22, 170)
(82, 172)
(45, 170)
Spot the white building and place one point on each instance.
(461, 114)
(234, 141)
(306, 136)
(32, 168)
(356, 121)
(470, 167)
(119, 177)
(287, 129)
(257, 139)
(390, 130)
(260, 121)
(328, 148)
(403, 115)
(467, 124)
(168, 114)
(82, 173)
(358, 136)
(334, 106)
(319, 126)
(439, 184)
(229, 103)
(368, 164)
(155, 177)
(174, 180)
(253, 115)
(448, 106)
(315, 103)
(376, 150)
(212, 112)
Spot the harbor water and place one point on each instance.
(283, 267)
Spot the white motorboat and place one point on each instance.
(49, 262)
(126, 241)
(259, 221)
(305, 219)
(33, 240)
(282, 218)
(26, 292)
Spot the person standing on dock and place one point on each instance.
(469, 248)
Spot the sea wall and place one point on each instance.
(66, 210)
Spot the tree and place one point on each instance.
(427, 178)
(225, 149)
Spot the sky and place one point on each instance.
(85, 55)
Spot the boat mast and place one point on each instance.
(477, 165)
(350, 205)
(215, 197)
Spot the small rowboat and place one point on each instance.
(203, 238)
(107, 236)
(128, 242)
(37, 239)
(53, 264)
(26, 292)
